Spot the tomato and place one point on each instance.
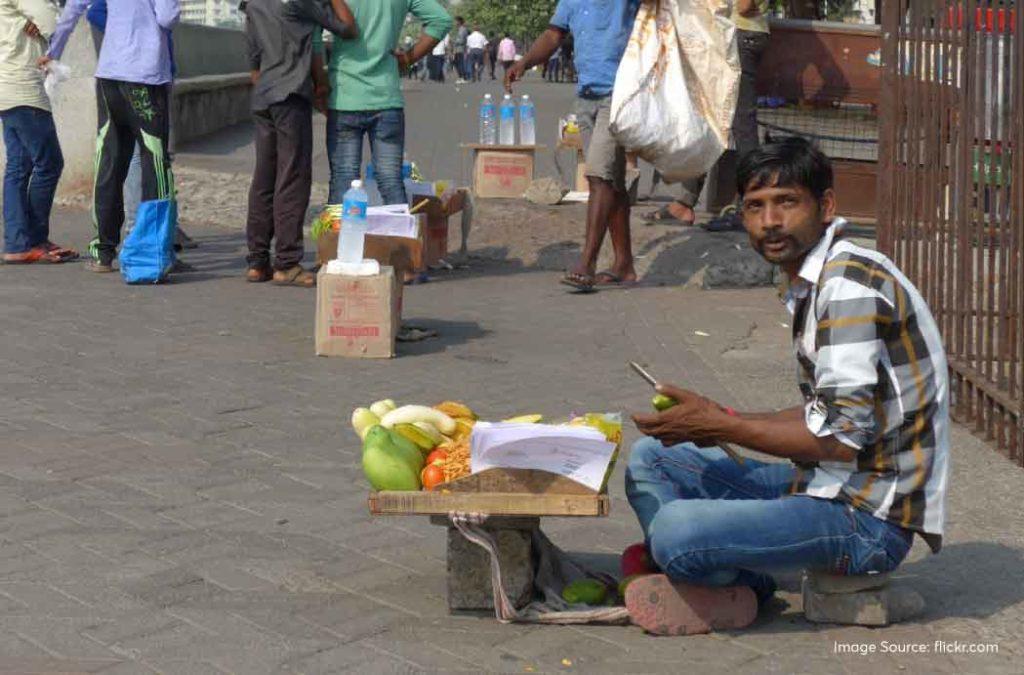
(437, 455)
(433, 474)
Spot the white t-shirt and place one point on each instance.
(476, 40)
(441, 47)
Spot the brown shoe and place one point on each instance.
(99, 267)
(662, 607)
(295, 276)
(258, 275)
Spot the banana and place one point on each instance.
(382, 408)
(409, 414)
(463, 429)
(422, 440)
(525, 419)
(430, 430)
(456, 409)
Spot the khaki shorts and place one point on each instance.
(606, 159)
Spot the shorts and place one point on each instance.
(606, 159)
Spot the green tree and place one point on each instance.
(522, 19)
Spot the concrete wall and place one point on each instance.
(212, 92)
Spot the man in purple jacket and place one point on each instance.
(132, 75)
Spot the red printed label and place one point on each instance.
(354, 331)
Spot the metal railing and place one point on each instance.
(951, 192)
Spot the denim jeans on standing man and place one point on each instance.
(34, 165)
(386, 132)
(712, 522)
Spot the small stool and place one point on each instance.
(858, 599)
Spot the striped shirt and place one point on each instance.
(873, 374)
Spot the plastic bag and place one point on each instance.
(56, 72)
(676, 87)
(147, 254)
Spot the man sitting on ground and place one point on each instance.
(868, 448)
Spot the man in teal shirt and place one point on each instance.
(365, 94)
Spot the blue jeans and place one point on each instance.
(386, 131)
(709, 521)
(34, 165)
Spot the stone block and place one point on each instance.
(469, 569)
(874, 607)
(822, 582)
(545, 191)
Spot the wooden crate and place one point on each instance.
(497, 492)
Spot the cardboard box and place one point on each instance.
(405, 255)
(357, 316)
(502, 173)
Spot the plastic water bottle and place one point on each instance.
(508, 121)
(353, 224)
(488, 121)
(527, 121)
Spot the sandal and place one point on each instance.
(258, 275)
(62, 252)
(609, 278)
(294, 276)
(664, 216)
(33, 256)
(583, 283)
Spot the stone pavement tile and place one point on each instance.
(424, 655)
(175, 667)
(351, 617)
(14, 664)
(48, 599)
(60, 637)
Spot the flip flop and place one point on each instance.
(583, 283)
(612, 279)
(61, 252)
(294, 276)
(38, 255)
(664, 216)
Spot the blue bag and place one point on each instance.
(147, 254)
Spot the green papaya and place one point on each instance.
(391, 464)
(585, 592)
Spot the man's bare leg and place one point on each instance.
(622, 269)
(600, 204)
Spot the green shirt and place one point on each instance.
(364, 73)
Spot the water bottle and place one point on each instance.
(527, 121)
(488, 121)
(353, 224)
(508, 121)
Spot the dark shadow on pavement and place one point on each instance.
(449, 334)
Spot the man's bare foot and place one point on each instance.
(614, 278)
(682, 212)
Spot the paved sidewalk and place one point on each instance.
(181, 492)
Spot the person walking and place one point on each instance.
(366, 98)
(602, 29)
(492, 54)
(459, 49)
(751, 19)
(287, 70)
(34, 158)
(132, 75)
(436, 60)
(476, 43)
(506, 53)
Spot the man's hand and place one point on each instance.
(320, 94)
(254, 77)
(404, 60)
(43, 61)
(694, 419)
(31, 29)
(514, 74)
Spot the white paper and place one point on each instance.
(579, 453)
(392, 220)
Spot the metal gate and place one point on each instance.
(951, 192)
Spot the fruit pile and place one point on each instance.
(414, 447)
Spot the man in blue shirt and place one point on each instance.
(601, 30)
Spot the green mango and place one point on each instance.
(662, 402)
(391, 462)
(585, 592)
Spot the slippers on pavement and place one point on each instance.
(38, 255)
(583, 283)
(609, 279)
(664, 216)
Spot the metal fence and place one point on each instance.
(951, 192)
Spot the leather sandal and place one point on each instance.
(294, 276)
